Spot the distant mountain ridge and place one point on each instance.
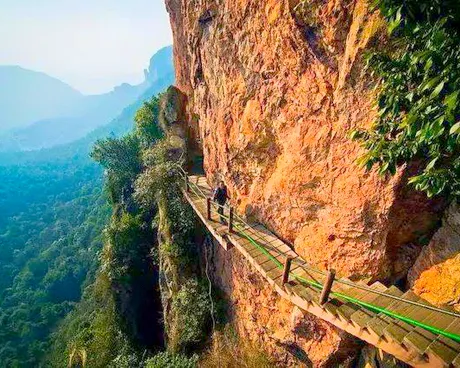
(27, 96)
(80, 149)
(87, 113)
(159, 63)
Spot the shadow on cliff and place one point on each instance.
(296, 352)
(414, 218)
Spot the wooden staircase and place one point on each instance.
(365, 311)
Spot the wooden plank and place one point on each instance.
(397, 329)
(350, 308)
(277, 254)
(273, 239)
(255, 253)
(340, 287)
(294, 268)
(363, 316)
(331, 306)
(396, 332)
(347, 310)
(250, 239)
(420, 339)
(454, 327)
(444, 348)
(242, 242)
(276, 275)
(378, 324)
(438, 319)
(269, 265)
(310, 275)
(456, 362)
(384, 301)
(304, 292)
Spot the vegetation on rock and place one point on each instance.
(186, 303)
(419, 104)
(149, 244)
(116, 321)
(168, 360)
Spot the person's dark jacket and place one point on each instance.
(220, 195)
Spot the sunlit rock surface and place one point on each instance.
(274, 89)
(435, 275)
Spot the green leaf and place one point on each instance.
(355, 135)
(428, 65)
(438, 90)
(414, 179)
(410, 96)
(431, 164)
(410, 119)
(395, 23)
(384, 168)
(451, 100)
(430, 83)
(455, 129)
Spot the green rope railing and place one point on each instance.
(374, 308)
(369, 306)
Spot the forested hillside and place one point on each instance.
(53, 212)
(122, 319)
(50, 234)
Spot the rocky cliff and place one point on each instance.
(436, 274)
(274, 89)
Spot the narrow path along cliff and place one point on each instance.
(401, 324)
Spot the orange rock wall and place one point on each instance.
(273, 95)
(435, 275)
(290, 337)
(274, 88)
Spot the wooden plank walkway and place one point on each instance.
(267, 253)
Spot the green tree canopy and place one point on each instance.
(419, 105)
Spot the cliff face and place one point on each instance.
(274, 89)
(291, 337)
(435, 275)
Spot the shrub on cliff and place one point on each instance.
(419, 104)
(121, 160)
(118, 320)
(168, 360)
(188, 316)
(122, 157)
(193, 309)
(147, 126)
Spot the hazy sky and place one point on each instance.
(91, 44)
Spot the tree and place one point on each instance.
(146, 119)
(122, 162)
(419, 105)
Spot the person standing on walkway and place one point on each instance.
(220, 196)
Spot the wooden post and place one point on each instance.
(230, 220)
(327, 287)
(287, 270)
(187, 184)
(208, 202)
